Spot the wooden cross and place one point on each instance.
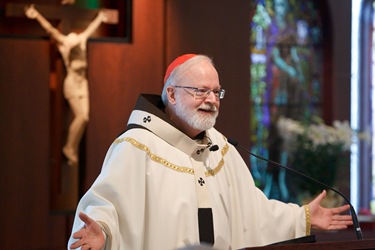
(65, 188)
(65, 14)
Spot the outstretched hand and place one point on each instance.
(90, 236)
(328, 218)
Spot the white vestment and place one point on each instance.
(154, 179)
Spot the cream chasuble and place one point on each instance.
(154, 180)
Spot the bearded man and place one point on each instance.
(171, 180)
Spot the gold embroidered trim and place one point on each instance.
(308, 220)
(170, 165)
(216, 170)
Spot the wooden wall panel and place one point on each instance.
(24, 147)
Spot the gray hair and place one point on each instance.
(178, 72)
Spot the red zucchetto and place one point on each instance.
(177, 62)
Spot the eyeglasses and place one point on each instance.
(204, 92)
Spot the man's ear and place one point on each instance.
(171, 95)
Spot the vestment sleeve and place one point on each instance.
(265, 221)
(119, 187)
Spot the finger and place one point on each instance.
(85, 218)
(76, 244)
(320, 197)
(342, 222)
(339, 210)
(78, 234)
(337, 227)
(85, 247)
(342, 217)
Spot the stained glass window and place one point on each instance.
(372, 114)
(363, 105)
(286, 81)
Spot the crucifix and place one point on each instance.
(72, 49)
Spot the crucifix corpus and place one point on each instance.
(72, 47)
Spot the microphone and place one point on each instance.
(356, 225)
(214, 148)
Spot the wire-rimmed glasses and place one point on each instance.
(204, 92)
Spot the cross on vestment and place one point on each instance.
(65, 179)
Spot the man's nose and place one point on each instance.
(211, 97)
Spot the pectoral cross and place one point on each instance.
(64, 179)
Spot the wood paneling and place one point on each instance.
(24, 147)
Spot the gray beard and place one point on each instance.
(194, 119)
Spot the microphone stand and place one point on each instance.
(356, 225)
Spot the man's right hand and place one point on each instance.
(90, 236)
